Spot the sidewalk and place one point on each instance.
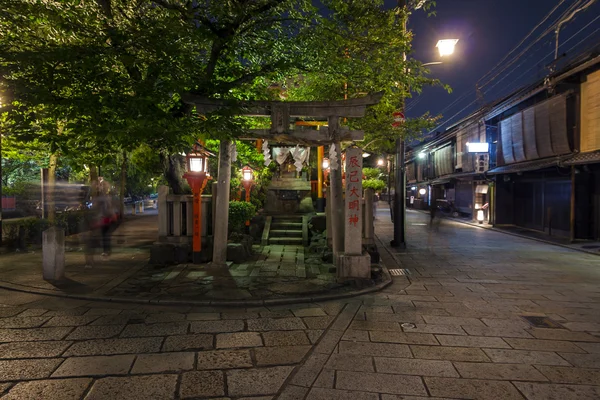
(276, 274)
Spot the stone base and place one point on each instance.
(353, 266)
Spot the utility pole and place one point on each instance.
(400, 189)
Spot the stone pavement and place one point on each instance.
(274, 273)
(456, 332)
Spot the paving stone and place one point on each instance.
(160, 329)
(202, 384)
(543, 345)
(563, 334)
(276, 314)
(409, 366)
(449, 353)
(17, 370)
(441, 320)
(513, 372)
(582, 360)
(33, 349)
(356, 336)
(497, 331)
(308, 372)
(223, 359)
(164, 317)
(309, 312)
(239, 315)
(403, 337)
(94, 366)
(525, 357)
(590, 347)
(64, 389)
(328, 342)
(188, 342)
(375, 349)
(120, 319)
(318, 322)
(580, 376)
(317, 393)
(380, 383)
(211, 316)
(350, 362)
(540, 391)
(506, 323)
(114, 346)
(397, 397)
(238, 339)
(326, 379)
(155, 387)
(376, 326)
(217, 326)
(280, 355)
(472, 341)
(165, 362)
(471, 389)
(95, 332)
(289, 392)
(28, 335)
(440, 329)
(22, 322)
(256, 381)
(582, 326)
(32, 312)
(285, 338)
(275, 324)
(314, 335)
(71, 320)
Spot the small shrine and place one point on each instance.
(290, 190)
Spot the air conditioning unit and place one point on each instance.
(482, 163)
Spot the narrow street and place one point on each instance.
(453, 328)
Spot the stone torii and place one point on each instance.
(280, 113)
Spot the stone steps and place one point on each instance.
(286, 229)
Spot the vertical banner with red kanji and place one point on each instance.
(353, 204)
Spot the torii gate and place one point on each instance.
(280, 113)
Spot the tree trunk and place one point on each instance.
(174, 168)
(122, 189)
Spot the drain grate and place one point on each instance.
(541, 322)
(399, 272)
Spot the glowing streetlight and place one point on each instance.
(446, 46)
(380, 162)
(422, 155)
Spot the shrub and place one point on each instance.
(376, 184)
(371, 173)
(239, 213)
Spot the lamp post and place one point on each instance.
(446, 47)
(197, 178)
(247, 181)
(325, 166)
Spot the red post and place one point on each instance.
(197, 181)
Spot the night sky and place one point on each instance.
(488, 30)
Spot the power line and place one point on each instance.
(524, 39)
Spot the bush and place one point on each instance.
(239, 213)
(32, 229)
(376, 184)
(371, 173)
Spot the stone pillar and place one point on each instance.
(163, 230)
(222, 206)
(337, 204)
(53, 254)
(141, 207)
(133, 208)
(353, 264)
(214, 206)
(369, 229)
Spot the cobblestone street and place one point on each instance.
(453, 328)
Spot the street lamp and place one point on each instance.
(197, 177)
(446, 46)
(380, 162)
